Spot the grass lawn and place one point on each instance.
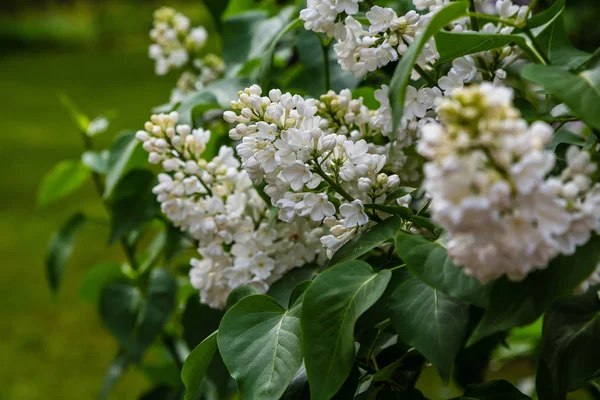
(55, 347)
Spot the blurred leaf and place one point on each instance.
(247, 36)
(298, 387)
(114, 372)
(239, 293)
(196, 366)
(311, 76)
(60, 249)
(97, 278)
(430, 262)
(430, 321)
(580, 92)
(157, 309)
(63, 179)
(160, 392)
(199, 321)
(120, 303)
(238, 6)
(570, 351)
(125, 154)
(564, 136)
(260, 344)
(367, 241)
(263, 75)
(453, 45)
(404, 68)
(298, 293)
(368, 95)
(282, 289)
(521, 303)
(216, 9)
(133, 203)
(332, 304)
(80, 119)
(96, 161)
(494, 390)
(97, 126)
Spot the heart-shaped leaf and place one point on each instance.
(196, 365)
(260, 344)
(332, 304)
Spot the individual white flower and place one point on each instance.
(297, 175)
(354, 214)
(380, 18)
(316, 205)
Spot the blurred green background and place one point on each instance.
(53, 347)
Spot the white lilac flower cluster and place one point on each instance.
(215, 202)
(177, 46)
(362, 49)
(314, 157)
(488, 179)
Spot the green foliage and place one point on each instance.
(62, 180)
(404, 68)
(260, 344)
(452, 45)
(494, 390)
(430, 262)
(97, 278)
(569, 352)
(578, 90)
(521, 303)
(125, 154)
(60, 249)
(366, 241)
(430, 321)
(132, 203)
(332, 304)
(196, 365)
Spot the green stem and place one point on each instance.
(398, 267)
(327, 73)
(317, 168)
(428, 78)
(536, 46)
(474, 20)
(99, 185)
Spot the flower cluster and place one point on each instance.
(178, 46)
(487, 177)
(215, 202)
(314, 157)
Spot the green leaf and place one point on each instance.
(521, 303)
(96, 161)
(239, 293)
(430, 262)
(196, 365)
(199, 321)
(62, 180)
(97, 278)
(114, 372)
(120, 303)
(430, 321)
(157, 309)
(453, 45)
(494, 390)
(570, 350)
(133, 203)
(260, 344)
(564, 136)
(311, 77)
(216, 9)
(283, 288)
(247, 36)
(331, 306)
(404, 68)
(79, 119)
(125, 154)
(580, 92)
(264, 70)
(367, 241)
(60, 249)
